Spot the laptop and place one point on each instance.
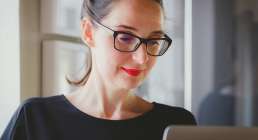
(174, 132)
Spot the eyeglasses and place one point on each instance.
(126, 42)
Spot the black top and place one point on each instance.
(55, 118)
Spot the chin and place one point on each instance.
(130, 84)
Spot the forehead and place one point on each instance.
(145, 15)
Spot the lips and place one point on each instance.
(132, 72)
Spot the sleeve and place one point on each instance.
(182, 116)
(16, 128)
(192, 120)
(186, 118)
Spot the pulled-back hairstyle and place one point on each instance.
(96, 10)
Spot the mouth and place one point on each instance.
(132, 72)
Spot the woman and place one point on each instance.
(125, 38)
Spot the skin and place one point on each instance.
(108, 92)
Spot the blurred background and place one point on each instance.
(211, 68)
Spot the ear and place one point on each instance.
(87, 32)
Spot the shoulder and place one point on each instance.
(173, 110)
(178, 114)
(42, 100)
(28, 111)
(39, 102)
(39, 105)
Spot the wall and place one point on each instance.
(243, 5)
(20, 54)
(247, 30)
(224, 43)
(9, 60)
(31, 40)
(30, 49)
(219, 44)
(203, 31)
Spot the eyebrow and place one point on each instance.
(132, 28)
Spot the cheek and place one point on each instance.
(113, 61)
(108, 59)
(151, 62)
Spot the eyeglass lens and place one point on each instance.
(126, 42)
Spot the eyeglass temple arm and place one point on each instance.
(104, 27)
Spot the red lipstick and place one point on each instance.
(132, 72)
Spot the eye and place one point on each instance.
(125, 39)
(154, 42)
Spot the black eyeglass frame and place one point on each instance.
(142, 40)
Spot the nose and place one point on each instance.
(140, 55)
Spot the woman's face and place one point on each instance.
(138, 17)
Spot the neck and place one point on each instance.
(106, 98)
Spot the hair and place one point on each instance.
(96, 10)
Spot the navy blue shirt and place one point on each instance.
(55, 118)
